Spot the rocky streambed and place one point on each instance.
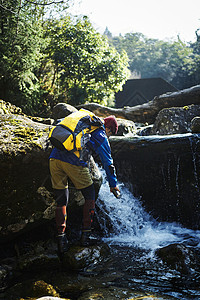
(149, 239)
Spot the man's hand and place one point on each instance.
(115, 191)
(114, 188)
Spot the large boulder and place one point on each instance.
(178, 257)
(62, 110)
(164, 174)
(175, 120)
(26, 196)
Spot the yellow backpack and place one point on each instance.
(73, 132)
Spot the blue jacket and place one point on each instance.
(99, 144)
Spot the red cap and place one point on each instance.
(111, 123)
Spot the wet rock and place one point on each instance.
(113, 293)
(44, 261)
(163, 173)
(32, 290)
(176, 256)
(51, 298)
(78, 258)
(144, 130)
(175, 120)
(195, 125)
(4, 274)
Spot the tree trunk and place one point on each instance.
(146, 113)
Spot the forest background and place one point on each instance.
(48, 56)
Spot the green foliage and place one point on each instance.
(21, 41)
(44, 60)
(47, 57)
(89, 69)
(172, 60)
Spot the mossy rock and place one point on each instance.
(31, 290)
(8, 108)
(25, 183)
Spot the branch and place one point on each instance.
(31, 2)
(5, 8)
(53, 2)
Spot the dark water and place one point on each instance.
(134, 236)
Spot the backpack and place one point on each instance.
(73, 132)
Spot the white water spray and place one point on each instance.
(124, 221)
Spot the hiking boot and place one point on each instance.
(62, 244)
(87, 239)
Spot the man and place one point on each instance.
(65, 164)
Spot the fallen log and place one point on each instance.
(146, 113)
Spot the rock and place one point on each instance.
(47, 121)
(126, 127)
(24, 173)
(144, 130)
(42, 256)
(176, 256)
(195, 125)
(175, 120)
(51, 298)
(114, 292)
(163, 173)
(78, 258)
(62, 110)
(31, 289)
(26, 196)
(4, 274)
(8, 108)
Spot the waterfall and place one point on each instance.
(125, 222)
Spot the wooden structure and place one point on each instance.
(140, 91)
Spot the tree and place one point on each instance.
(107, 33)
(194, 75)
(22, 45)
(171, 60)
(88, 68)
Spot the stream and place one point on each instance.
(127, 267)
(134, 236)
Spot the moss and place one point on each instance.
(6, 108)
(25, 132)
(14, 122)
(18, 136)
(31, 290)
(41, 288)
